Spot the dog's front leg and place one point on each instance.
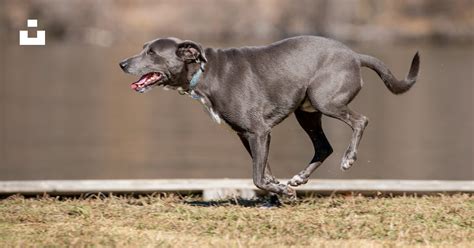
(268, 173)
(259, 146)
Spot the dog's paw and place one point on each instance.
(347, 163)
(297, 180)
(270, 179)
(289, 191)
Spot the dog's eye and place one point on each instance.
(150, 52)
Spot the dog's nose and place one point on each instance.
(123, 64)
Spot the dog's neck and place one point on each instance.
(193, 76)
(196, 76)
(200, 74)
(197, 89)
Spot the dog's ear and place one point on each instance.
(190, 51)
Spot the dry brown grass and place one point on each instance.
(170, 221)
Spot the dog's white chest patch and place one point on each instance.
(214, 115)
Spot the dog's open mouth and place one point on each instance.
(147, 81)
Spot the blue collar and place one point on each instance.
(195, 79)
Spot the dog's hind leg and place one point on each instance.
(355, 120)
(358, 123)
(331, 93)
(268, 172)
(311, 123)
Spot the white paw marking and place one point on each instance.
(296, 180)
(347, 164)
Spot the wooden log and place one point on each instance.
(317, 186)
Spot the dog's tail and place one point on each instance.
(393, 84)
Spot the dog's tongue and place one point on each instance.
(141, 81)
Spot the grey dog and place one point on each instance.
(253, 89)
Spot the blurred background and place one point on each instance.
(67, 112)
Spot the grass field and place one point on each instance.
(172, 221)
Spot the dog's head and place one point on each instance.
(163, 62)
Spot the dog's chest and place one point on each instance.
(207, 106)
(212, 113)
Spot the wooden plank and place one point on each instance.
(60, 187)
